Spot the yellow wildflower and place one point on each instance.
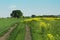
(28, 20)
(48, 24)
(49, 19)
(57, 18)
(43, 24)
(37, 19)
(50, 36)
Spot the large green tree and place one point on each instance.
(16, 14)
(33, 16)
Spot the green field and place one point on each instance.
(40, 28)
(45, 29)
(5, 24)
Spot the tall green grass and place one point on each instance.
(6, 23)
(39, 32)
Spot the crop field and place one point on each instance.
(36, 28)
(45, 28)
(5, 24)
(18, 33)
(6, 29)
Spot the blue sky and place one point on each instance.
(29, 7)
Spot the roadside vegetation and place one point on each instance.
(45, 29)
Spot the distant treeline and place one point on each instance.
(19, 14)
(49, 16)
(33, 16)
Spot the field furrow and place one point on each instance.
(6, 35)
(27, 33)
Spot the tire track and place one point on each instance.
(6, 35)
(28, 33)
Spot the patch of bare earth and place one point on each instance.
(6, 35)
(28, 33)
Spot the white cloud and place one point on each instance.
(12, 7)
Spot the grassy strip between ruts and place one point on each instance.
(18, 33)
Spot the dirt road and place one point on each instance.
(6, 35)
(28, 33)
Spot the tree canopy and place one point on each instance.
(16, 14)
(33, 16)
